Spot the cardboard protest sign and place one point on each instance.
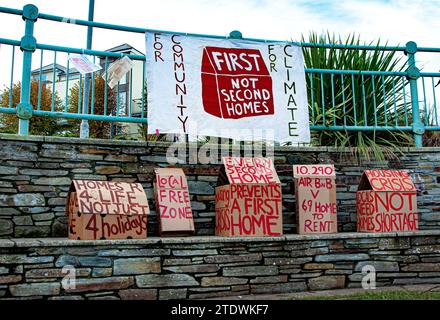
(315, 190)
(248, 198)
(386, 201)
(83, 64)
(173, 204)
(117, 70)
(106, 210)
(230, 88)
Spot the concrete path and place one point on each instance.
(339, 292)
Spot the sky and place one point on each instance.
(393, 21)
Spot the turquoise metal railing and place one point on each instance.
(368, 101)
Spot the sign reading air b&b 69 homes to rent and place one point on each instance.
(315, 190)
(228, 88)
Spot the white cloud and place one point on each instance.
(397, 21)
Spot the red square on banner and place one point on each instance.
(236, 83)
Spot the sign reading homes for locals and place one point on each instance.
(248, 198)
(106, 210)
(233, 88)
(315, 190)
(173, 204)
(386, 202)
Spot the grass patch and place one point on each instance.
(384, 295)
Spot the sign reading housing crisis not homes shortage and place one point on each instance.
(230, 88)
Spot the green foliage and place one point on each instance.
(9, 131)
(382, 295)
(430, 138)
(66, 134)
(351, 100)
(123, 137)
(97, 129)
(143, 127)
(44, 126)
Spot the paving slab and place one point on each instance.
(329, 293)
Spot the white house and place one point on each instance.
(135, 76)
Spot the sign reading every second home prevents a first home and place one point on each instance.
(233, 88)
(248, 198)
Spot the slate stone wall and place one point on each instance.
(209, 267)
(35, 173)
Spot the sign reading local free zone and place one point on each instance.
(230, 88)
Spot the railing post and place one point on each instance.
(84, 128)
(28, 46)
(235, 34)
(413, 73)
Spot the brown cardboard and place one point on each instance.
(248, 198)
(386, 201)
(106, 210)
(173, 204)
(315, 190)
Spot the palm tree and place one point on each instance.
(353, 99)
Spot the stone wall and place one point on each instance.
(35, 173)
(209, 267)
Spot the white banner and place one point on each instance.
(230, 88)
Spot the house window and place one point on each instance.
(37, 78)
